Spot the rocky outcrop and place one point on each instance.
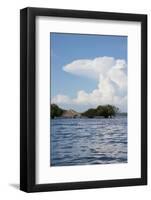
(70, 113)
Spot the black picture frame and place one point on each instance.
(28, 99)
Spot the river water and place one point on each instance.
(87, 141)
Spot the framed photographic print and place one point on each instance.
(83, 95)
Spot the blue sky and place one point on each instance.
(67, 48)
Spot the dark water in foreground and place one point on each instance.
(88, 141)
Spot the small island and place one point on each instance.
(106, 111)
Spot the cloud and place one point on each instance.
(111, 75)
(61, 99)
(90, 68)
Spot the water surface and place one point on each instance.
(87, 141)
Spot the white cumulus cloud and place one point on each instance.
(90, 68)
(111, 75)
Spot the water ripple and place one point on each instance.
(88, 141)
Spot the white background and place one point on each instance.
(9, 99)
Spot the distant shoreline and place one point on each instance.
(94, 117)
(106, 111)
(101, 117)
(101, 111)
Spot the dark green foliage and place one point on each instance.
(90, 113)
(56, 111)
(105, 111)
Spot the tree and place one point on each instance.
(105, 111)
(90, 113)
(56, 111)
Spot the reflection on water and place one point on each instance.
(88, 141)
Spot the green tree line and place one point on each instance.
(104, 111)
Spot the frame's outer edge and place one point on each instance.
(27, 101)
(31, 100)
(86, 14)
(144, 99)
(23, 100)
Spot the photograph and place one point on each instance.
(88, 99)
